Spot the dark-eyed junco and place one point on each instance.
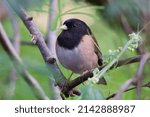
(76, 47)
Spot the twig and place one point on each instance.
(18, 64)
(138, 77)
(16, 43)
(123, 88)
(123, 62)
(136, 81)
(113, 95)
(51, 42)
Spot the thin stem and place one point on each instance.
(130, 89)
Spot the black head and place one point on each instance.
(73, 31)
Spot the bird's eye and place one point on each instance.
(73, 26)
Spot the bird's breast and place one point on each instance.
(80, 58)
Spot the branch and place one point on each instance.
(18, 64)
(136, 80)
(51, 42)
(138, 77)
(114, 94)
(16, 43)
(123, 88)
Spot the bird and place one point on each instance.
(77, 48)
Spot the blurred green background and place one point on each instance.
(105, 21)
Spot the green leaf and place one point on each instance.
(91, 92)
